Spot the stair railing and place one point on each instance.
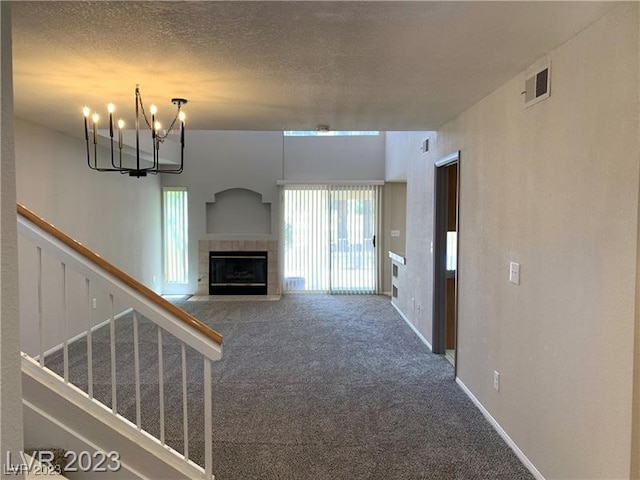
(128, 301)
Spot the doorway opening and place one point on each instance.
(445, 250)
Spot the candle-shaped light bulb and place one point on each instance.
(86, 111)
(95, 117)
(181, 116)
(111, 108)
(157, 126)
(120, 127)
(153, 111)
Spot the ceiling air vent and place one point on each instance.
(536, 87)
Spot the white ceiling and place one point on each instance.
(280, 65)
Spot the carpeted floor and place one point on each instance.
(310, 387)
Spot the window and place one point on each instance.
(330, 133)
(175, 241)
(329, 238)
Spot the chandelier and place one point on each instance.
(158, 136)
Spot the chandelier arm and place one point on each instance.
(138, 101)
(113, 162)
(179, 169)
(156, 160)
(88, 154)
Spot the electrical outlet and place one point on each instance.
(496, 380)
(395, 233)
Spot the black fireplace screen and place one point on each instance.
(237, 273)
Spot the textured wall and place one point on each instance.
(329, 158)
(394, 218)
(116, 216)
(10, 376)
(404, 148)
(635, 445)
(555, 188)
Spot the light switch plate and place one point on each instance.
(395, 233)
(514, 273)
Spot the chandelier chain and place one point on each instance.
(159, 136)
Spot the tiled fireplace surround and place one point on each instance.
(206, 246)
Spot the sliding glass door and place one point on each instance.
(329, 238)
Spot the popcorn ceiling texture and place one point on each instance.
(280, 65)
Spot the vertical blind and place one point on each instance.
(175, 241)
(329, 235)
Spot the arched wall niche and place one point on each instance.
(238, 211)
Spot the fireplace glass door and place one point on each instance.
(238, 273)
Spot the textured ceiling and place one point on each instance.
(280, 65)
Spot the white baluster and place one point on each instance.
(65, 321)
(40, 319)
(185, 417)
(89, 340)
(136, 361)
(161, 384)
(208, 427)
(114, 396)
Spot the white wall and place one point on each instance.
(555, 188)
(403, 151)
(404, 146)
(394, 218)
(330, 158)
(216, 161)
(116, 216)
(11, 431)
(635, 444)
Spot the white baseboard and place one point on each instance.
(519, 453)
(416, 331)
(81, 335)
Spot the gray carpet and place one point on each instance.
(310, 387)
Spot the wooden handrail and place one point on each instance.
(120, 275)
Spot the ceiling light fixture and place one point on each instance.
(157, 138)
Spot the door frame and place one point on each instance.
(440, 214)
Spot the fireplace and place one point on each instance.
(238, 273)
